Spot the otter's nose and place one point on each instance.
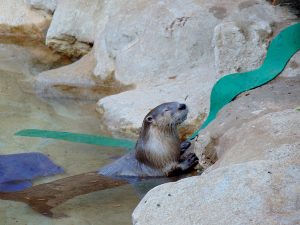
(182, 106)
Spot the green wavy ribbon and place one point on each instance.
(281, 49)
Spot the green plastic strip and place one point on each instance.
(281, 49)
(80, 138)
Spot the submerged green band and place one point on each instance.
(281, 49)
(80, 138)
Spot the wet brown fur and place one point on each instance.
(170, 141)
(163, 151)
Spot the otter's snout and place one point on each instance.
(182, 106)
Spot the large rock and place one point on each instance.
(22, 35)
(232, 42)
(73, 27)
(76, 81)
(75, 24)
(166, 50)
(147, 43)
(254, 144)
(278, 95)
(73, 80)
(274, 136)
(47, 5)
(123, 113)
(17, 19)
(257, 192)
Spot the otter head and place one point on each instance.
(166, 116)
(158, 144)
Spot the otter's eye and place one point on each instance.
(166, 110)
(149, 119)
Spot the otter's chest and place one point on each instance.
(162, 148)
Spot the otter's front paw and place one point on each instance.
(184, 146)
(190, 161)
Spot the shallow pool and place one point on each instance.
(21, 109)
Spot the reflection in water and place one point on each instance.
(21, 110)
(44, 197)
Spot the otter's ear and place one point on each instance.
(149, 119)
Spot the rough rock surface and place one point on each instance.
(17, 19)
(292, 69)
(232, 41)
(255, 141)
(278, 95)
(22, 36)
(29, 59)
(73, 27)
(133, 105)
(76, 23)
(76, 81)
(257, 192)
(172, 50)
(47, 5)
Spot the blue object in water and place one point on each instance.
(14, 186)
(17, 170)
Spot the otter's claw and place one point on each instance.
(184, 146)
(190, 161)
(185, 165)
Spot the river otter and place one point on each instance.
(158, 151)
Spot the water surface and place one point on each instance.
(21, 109)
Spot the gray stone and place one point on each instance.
(257, 192)
(47, 5)
(123, 113)
(18, 20)
(73, 26)
(273, 136)
(71, 81)
(276, 96)
(76, 81)
(292, 69)
(159, 51)
(240, 47)
(165, 50)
